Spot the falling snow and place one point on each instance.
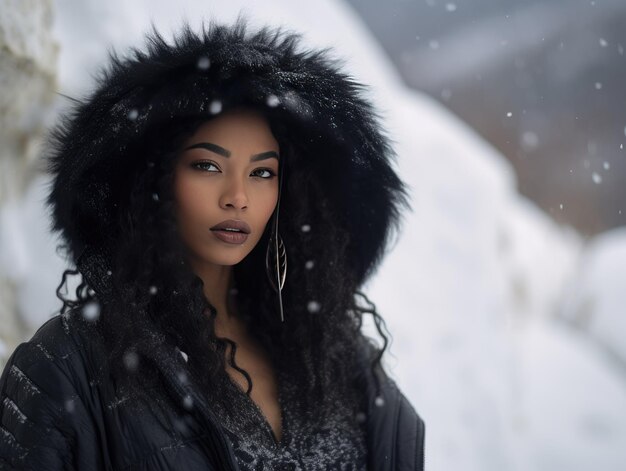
(309, 264)
(184, 355)
(188, 402)
(529, 141)
(597, 178)
(203, 63)
(70, 405)
(306, 228)
(181, 375)
(215, 107)
(131, 360)
(133, 114)
(313, 306)
(272, 101)
(91, 311)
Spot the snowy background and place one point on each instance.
(507, 328)
(547, 77)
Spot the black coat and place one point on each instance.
(57, 416)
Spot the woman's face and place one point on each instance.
(227, 170)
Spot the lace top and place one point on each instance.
(331, 437)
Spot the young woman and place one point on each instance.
(223, 199)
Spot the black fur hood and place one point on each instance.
(329, 122)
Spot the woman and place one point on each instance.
(223, 198)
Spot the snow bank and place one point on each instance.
(595, 300)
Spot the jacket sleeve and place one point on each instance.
(44, 422)
(411, 432)
(402, 422)
(396, 432)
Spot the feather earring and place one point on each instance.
(276, 257)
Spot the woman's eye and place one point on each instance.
(204, 165)
(268, 173)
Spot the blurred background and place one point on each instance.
(504, 290)
(542, 80)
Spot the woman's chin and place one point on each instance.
(224, 259)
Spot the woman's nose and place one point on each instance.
(234, 194)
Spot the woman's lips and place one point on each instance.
(230, 237)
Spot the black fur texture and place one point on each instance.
(115, 147)
(335, 130)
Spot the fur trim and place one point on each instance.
(324, 108)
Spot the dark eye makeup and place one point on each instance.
(205, 164)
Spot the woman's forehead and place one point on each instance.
(243, 130)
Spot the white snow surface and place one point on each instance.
(471, 287)
(28, 255)
(595, 299)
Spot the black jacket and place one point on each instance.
(57, 416)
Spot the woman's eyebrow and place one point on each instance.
(226, 153)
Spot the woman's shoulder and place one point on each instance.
(42, 391)
(55, 410)
(59, 347)
(53, 339)
(396, 432)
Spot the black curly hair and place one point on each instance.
(157, 298)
